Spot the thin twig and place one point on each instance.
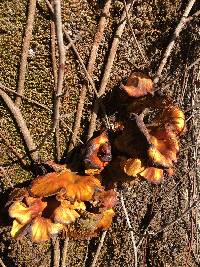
(108, 69)
(194, 16)
(17, 155)
(172, 42)
(193, 64)
(99, 249)
(143, 56)
(130, 227)
(89, 79)
(6, 89)
(21, 124)
(76, 38)
(56, 252)
(55, 75)
(25, 49)
(65, 124)
(64, 252)
(165, 227)
(86, 253)
(2, 264)
(53, 53)
(61, 70)
(90, 69)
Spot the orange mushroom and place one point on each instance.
(138, 85)
(106, 220)
(152, 174)
(67, 183)
(98, 154)
(28, 217)
(66, 213)
(164, 147)
(42, 229)
(23, 213)
(135, 167)
(132, 167)
(175, 119)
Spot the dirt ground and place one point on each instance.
(148, 205)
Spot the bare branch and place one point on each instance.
(55, 75)
(17, 155)
(172, 42)
(99, 249)
(2, 264)
(90, 69)
(108, 69)
(83, 66)
(64, 252)
(6, 89)
(130, 227)
(61, 70)
(56, 254)
(21, 124)
(143, 56)
(25, 49)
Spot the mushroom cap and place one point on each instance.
(138, 85)
(68, 183)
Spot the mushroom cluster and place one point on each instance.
(144, 145)
(61, 201)
(147, 141)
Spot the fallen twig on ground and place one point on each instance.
(2, 264)
(55, 75)
(64, 252)
(61, 69)
(90, 69)
(172, 42)
(107, 70)
(86, 253)
(25, 49)
(194, 16)
(15, 111)
(130, 227)
(56, 254)
(99, 249)
(76, 38)
(83, 66)
(6, 89)
(143, 56)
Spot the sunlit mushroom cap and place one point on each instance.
(138, 85)
(98, 154)
(175, 118)
(163, 152)
(106, 220)
(73, 186)
(25, 213)
(42, 229)
(153, 175)
(132, 167)
(18, 230)
(66, 213)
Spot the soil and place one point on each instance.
(148, 205)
